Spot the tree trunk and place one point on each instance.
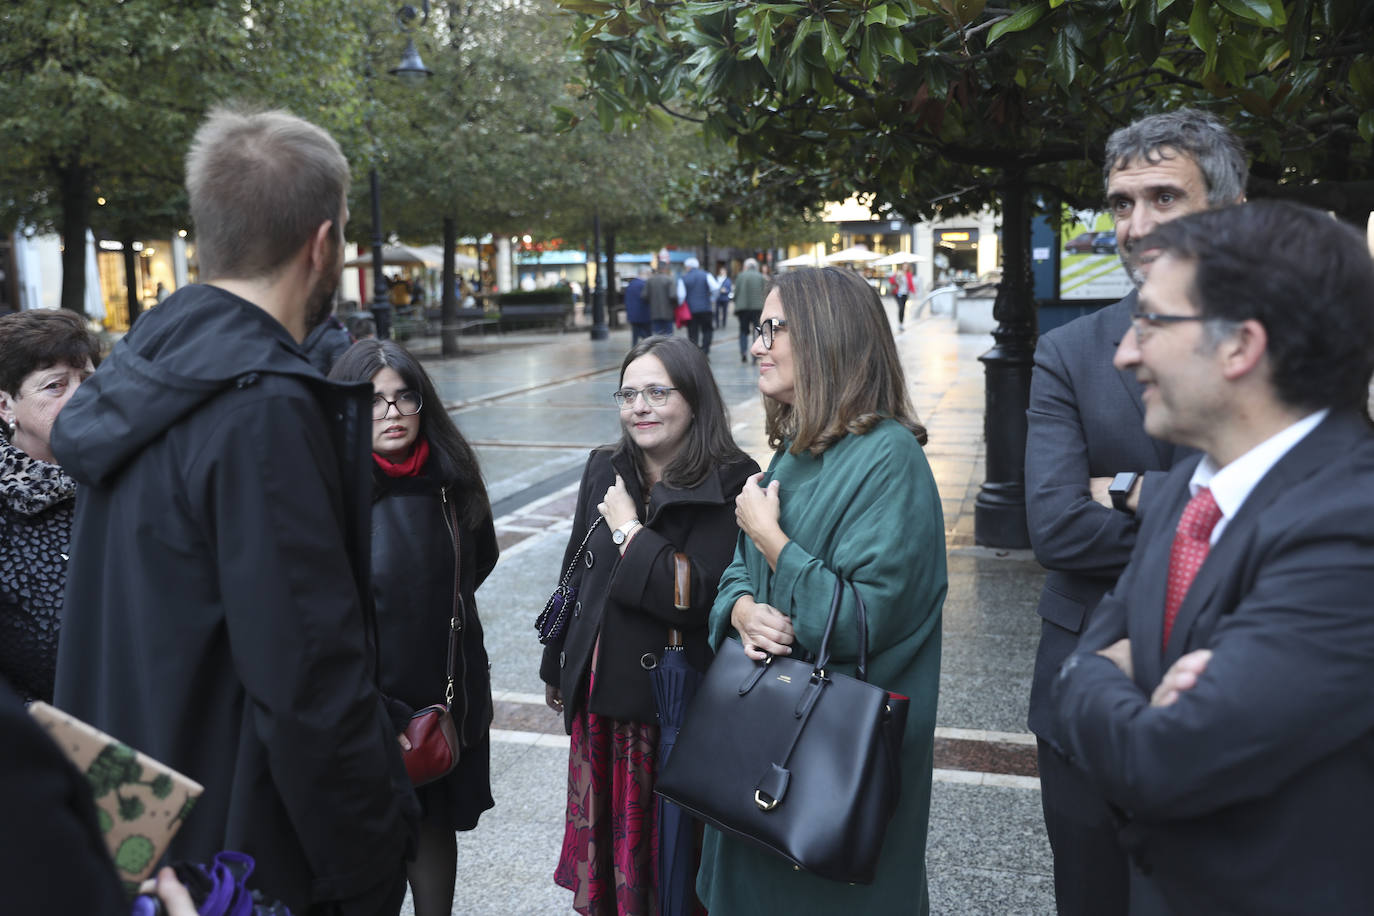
(448, 311)
(131, 280)
(612, 294)
(75, 181)
(999, 512)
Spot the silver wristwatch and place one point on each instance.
(622, 534)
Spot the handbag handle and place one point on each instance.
(861, 624)
(577, 554)
(455, 621)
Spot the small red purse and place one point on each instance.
(433, 745)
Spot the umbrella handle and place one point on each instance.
(682, 582)
(682, 593)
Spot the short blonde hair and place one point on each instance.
(260, 184)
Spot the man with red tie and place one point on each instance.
(1222, 698)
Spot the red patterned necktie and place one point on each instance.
(1191, 544)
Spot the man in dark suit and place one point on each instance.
(1084, 435)
(1223, 697)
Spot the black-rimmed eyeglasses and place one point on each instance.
(768, 329)
(1146, 323)
(656, 395)
(407, 404)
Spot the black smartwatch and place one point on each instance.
(1120, 489)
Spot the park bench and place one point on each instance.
(466, 319)
(526, 309)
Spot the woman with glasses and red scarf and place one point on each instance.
(666, 487)
(432, 536)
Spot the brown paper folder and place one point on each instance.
(140, 802)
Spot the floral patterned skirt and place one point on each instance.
(610, 844)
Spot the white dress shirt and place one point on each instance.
(1232, 484)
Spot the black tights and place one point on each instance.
(435, 869)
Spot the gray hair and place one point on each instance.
(1196, 134)
(260, 184)
(691, 263)
(751, 264)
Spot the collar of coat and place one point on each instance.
(707, 492)
(29, 485)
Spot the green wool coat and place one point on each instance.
(867, 511)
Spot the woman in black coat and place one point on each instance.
(432, 545)
(667, 487)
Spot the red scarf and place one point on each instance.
(411, 467)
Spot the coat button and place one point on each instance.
(577, 609)
(588, 559)
(648, 661)
(562, 659)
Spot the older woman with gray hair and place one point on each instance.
(44, 356)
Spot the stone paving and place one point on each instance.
(534, 404)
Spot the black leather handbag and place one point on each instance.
(793, 758)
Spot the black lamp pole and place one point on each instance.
(412, 71)
(381, 306)
(999, 512)
(599, 329)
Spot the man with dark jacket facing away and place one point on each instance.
(219, 551)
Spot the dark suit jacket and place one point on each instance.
(1084, 421)
(1254, 793)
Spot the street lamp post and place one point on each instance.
(599, 329)
(381, 305)
(411, 71)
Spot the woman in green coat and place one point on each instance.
(848, 495)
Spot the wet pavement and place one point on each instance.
(534, 404)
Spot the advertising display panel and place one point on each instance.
(1089, 267)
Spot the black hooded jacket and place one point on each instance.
(213, 613)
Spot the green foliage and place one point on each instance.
(161, 785)
(101, 99)
(935, 105)
(503, 139)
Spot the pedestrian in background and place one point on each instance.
(326, 343)
(637, 307)
(900, 281)
(697, 288)
(662, 294)
(848, 498)
(749, 289)
(44, 357)
(666, 487)
(214, 615)
(724, 289)
(433, 544)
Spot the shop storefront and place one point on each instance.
(160, 266)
